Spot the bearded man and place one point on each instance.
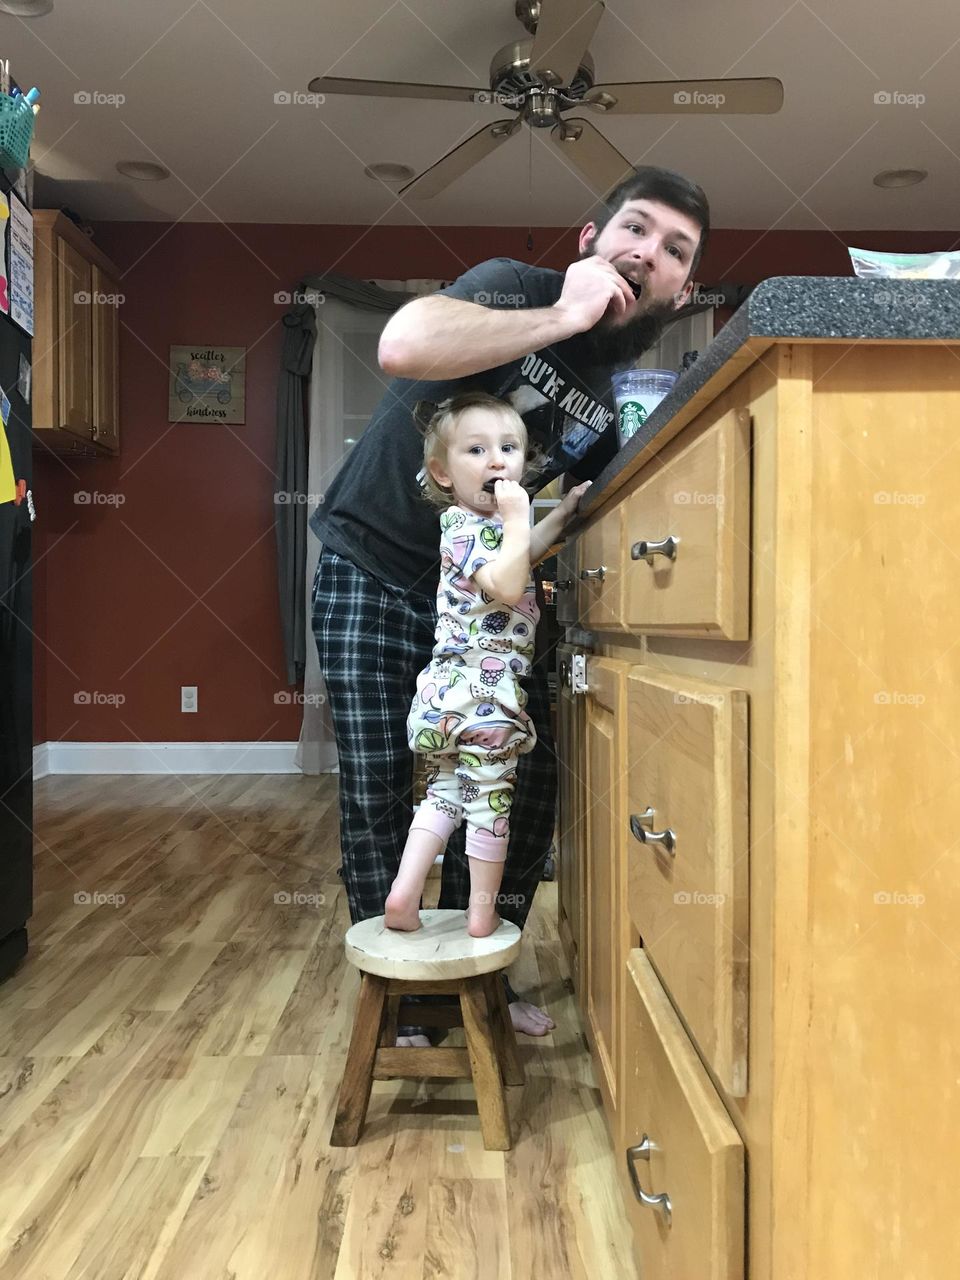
(546, 342)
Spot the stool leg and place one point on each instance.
(388, 1033)
(504, 1036)
(358, 1069)
(491, 1102)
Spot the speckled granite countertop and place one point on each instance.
(787, 307)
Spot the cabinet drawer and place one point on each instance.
(683, 1149)
(600, 572)
(688, 891)
(696, 507)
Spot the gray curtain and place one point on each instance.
(299, 339)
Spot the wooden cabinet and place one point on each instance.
(106, 362)
(765, 947)
(75, 351)
(74, 341)
(570, 843)
(603, 754)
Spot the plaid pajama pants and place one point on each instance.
(373, 641)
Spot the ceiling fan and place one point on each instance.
(541, 79)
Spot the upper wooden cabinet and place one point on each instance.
(75, 348)
(106, 364)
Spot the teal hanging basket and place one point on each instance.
(16, 131)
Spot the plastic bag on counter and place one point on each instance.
(871, 265)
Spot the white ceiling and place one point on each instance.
(199, 78)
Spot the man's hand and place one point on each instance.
(513, 502)
(590, 287)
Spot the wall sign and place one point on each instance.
(207, 384)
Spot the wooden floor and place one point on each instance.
(171, 1050)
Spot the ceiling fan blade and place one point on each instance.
(456, 162)
(393, 89)
(762, 95)
(564, 30)
(596, 158)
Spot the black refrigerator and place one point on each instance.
(16, 663)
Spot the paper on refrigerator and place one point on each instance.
(21, 264)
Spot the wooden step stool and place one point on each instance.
(439, 959)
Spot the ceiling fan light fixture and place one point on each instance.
(142, 170)
(387, 172)
(539, 80)
(891, 178)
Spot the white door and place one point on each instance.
(346, 385)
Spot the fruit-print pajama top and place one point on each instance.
(469, 697)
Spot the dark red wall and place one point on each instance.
(116, 586)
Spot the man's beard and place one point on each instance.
(625, 344)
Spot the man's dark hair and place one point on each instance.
(673, 189)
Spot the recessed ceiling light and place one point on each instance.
(143, 170)
(899, 177)
(389, 172)
(26, 8)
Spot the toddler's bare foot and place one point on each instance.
(401, 912)
(482, 921)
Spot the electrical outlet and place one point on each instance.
(188, 697)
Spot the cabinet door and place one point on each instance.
(570, 830)
(74, 324)
(687, 892)
(683, 1170)
(106, 326)
(603, 953)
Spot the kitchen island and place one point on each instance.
(760, 793)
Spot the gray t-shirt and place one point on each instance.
(374, 512)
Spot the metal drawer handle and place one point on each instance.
(668, 837)
(647, 550)
(660, 1203)
(599, 574)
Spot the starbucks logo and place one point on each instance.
(632, 417)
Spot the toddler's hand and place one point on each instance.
(568, 507)
(512, 500)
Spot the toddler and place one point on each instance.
(467, 718)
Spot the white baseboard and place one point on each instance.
(164, 757)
